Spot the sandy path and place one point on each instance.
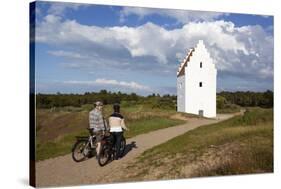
(63, 171)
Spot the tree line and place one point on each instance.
(248, 98)
(263, 99)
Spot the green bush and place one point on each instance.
(162, 103)
(255, 116)
(223, 106)
(221, 102)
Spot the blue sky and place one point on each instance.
(82, 47)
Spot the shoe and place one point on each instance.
(97, 157)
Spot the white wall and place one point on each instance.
(181, 94)
(200, 98)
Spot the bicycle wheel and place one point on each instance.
(80, 150)
(104, 156)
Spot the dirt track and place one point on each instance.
(63, 171)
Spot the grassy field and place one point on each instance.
(229, 109)
(240, 145)
(56, 128)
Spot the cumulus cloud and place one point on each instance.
(241, 52)
(146, 40)
(233, 48)
(182, 16)
(57, 8)
(111, 82)
(132, 84)
(68, 54)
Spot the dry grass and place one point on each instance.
(57, 128)
(241, 145)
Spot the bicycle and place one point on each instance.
(84, 147)
(108, 149)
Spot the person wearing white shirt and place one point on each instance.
(116, 125)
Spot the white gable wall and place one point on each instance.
(181, 94)
(199, 98)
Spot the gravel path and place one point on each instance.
(63, 171)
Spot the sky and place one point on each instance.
(85, 48)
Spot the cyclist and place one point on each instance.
(116, 125)
(97, 124)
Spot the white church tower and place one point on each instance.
(197, 83)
